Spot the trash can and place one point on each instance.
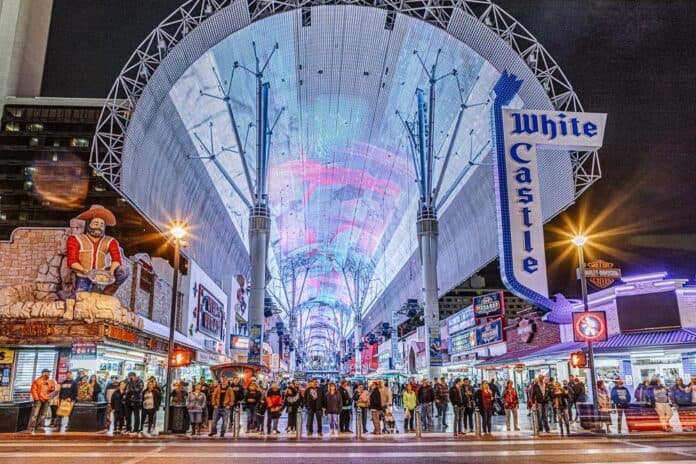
(590, 418)
(178, 418)
(14, 416)
(88, 416)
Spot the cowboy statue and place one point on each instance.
(87, 254)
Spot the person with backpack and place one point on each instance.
(621, 398)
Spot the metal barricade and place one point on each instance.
(535, 422)
(418, 422)
(477, 422)
(298, 424)
(358, 422)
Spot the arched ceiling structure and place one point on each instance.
(341, 181)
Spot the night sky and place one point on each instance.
(631, 59)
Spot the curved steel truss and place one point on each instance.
(109, 139)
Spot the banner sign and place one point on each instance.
(239, 342)
(490, 305)
(84, 350)
(255, 334)
(462, 341)
(211, 314)
(601, 274)
(435, 347)
(461, 320)
(516, 135)
(490, 333)
(590, 326)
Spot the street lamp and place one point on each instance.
(579, 241)
(177, 232)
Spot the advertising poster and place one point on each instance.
(255, 332)
(435, 347)
(490, 305)
(490, 333)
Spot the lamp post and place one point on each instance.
(579, 241)
(178, 232)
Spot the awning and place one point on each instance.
(511, 357)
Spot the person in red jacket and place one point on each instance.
(274, 404)
(42, 388)
(510, 403)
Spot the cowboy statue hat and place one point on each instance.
(98, 211)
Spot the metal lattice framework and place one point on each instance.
(109, 139)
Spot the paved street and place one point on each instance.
(578, 450)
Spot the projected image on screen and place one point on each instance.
(648, 312)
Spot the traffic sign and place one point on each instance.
(590, 326)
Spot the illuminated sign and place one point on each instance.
(590, 326)
(461, 342)
(516, 136)
(84, 350)
(239, 342)
(489, 305)
(461, 320)
(601, 274)
(490, 333)
(211, 314)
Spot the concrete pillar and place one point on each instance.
(357, 337)
(259, 233)
(428, 231)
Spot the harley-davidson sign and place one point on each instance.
(601, 274)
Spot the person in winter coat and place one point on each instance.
(96, 388)
(604, 404)
(134, 394)
(261, 410)
(292, 404)
(118, 406)
(540, 401)
(151, 401)
(195, 405)
(484, 400)
(347, 405)
(361, 400)
(511, 404)
(41, 390)
(641, 392)
(410, 403)
(469, 404)
(314, 402)
(108, 391)
(442, 400)
(223, 399)
(274, 403)
(657, 395)
(251, 399)
(621, 398)
(376, 408)
(334, 404)
(426, 397)
(67, 391)
(456, 397)
(560, 398)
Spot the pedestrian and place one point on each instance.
(571, 396)
(681, 397)
(209, 402)
(108, 391)
(511, 404)
(251, 400)
(484, 400)
(84, 389)
(274, 404)
(540, 403)
(375, 406)
(96, 388)
(657, 396)
(134, 394)
(497, 403)
(195, 405)
(151, 401)
(179, 394)
(292, 403)
(67, 395)
(118, 406)
(604, 405)
(334, 405)
(442, 401)
(456, 397)
(621, 398)
(641, 392)
(223, 399)
(561, 404)
(469, 404)
(314, 403)
(42, 388)
(410, 402)
(361, 399)
(205, 389)
(426, 397)
(346, 407)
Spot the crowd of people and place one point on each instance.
(132, 404)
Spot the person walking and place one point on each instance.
(67, 395)
(604, 405)
(361, 399)
(456, 397)
(314, 402)
(195, 405)
(442, 401)
(347, 406)
(334, 405)
(274, 404)
(151, 401)
(134, 394)
(621, 398)
(540, 403)
(484, 400)
(410, 402)
(251, 400)
(376, 408)
(657, 396)
(42, 388)
(118, 406)
(292, 404)
(561, 404)
(511, 404)
(426, 397)
(223, 399)
(205, 389)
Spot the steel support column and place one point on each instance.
(428, 231)
(259, 232)
(357, 338)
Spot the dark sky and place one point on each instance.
(631, 59)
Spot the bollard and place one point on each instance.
(456, 420)
(477, 422)
(418, 422)
(298, 428)
(358, 423)
(535, 422)
(236, 420)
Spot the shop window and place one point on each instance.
(35, 127)
(29, 365)
(13, 127)
(79, 142)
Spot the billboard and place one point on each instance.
(490, 305)
(649, 311)
(461, 320)
(463, 341)
(255, 332)
(491, 332)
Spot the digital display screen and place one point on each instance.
(648, 311)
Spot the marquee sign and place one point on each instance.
(490, 305)
(211, 314)
(461, 320)
(590, 326)
(601, 274)
(517, 133)
(490, 333)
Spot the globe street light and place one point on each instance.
(177, 231)
(579, 241)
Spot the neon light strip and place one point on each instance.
(644, 277)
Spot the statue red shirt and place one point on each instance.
(90, 253)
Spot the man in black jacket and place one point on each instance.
(540, 402)
(344, 417)
(314, 402)
(68, 391)
(456, 397)
(134, 396)
(426, 396)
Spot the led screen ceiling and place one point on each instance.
(341, 177)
